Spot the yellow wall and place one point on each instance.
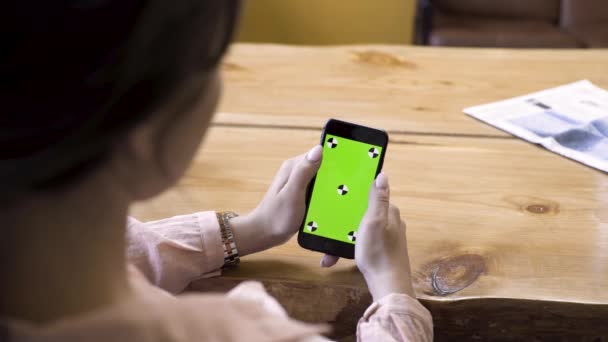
(318, 22)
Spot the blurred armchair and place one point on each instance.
(513, 23)
(587, 20)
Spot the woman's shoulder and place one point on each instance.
(245, 313)
(154, 315)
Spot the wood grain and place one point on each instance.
(494, 319)
(488, 219)
(402, 89)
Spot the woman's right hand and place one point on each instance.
(381, 250)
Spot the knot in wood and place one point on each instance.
(452, 274)
(382, 59)
(534, 205)
(229, 66)
(538, 208)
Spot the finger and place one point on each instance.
(304, 170)
(379, 198)
(376, 217)
(280, 179)
(394, 216)
(329, 260)
(403, 227)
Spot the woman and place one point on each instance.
(104, 103)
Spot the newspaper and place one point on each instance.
(571, 120)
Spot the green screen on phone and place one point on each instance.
(339, 196)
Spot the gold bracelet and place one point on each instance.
(231, 253)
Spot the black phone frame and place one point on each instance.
(351, 131)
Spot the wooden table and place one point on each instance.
(507, 240)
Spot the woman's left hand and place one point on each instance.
(281, 212)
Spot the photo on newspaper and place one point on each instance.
(571, 120)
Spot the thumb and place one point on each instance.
(305, 169)
(379, 199)
(329, 260)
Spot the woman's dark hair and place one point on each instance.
(76, 74)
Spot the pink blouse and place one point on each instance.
(165, 257)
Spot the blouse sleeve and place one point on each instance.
(396, 317)
(175, 251)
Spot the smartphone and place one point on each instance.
(337, 197)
